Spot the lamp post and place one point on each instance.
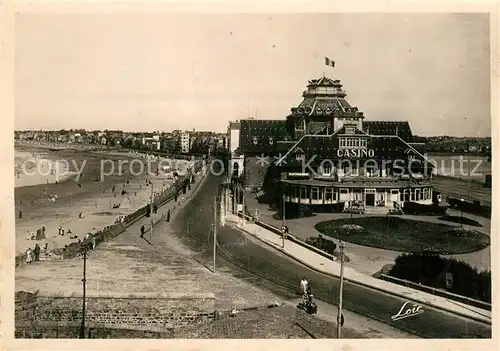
(341, 290)
(151, 213)
(283, 229)
(215, 231)
(84, 280)
(461, 213)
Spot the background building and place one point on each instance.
(185, 142)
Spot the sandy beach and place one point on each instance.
(86, 203)
(33, 168)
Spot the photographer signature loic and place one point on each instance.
(407, 311)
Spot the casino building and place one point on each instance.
(326, 156)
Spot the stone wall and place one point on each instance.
(71, 330)
(160, 310)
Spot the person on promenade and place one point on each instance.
(36, 252)
(62, 231)
(20, 214)
(29, 256)
(303, 286)
(94, 242)
(142, 231)
(309, 295)
(59, 230)
(168, 216)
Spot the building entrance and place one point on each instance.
(370, 200)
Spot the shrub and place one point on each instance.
(431, 270)
(348, 229)
(465, 232)
(324, 245)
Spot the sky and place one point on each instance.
(145, 72)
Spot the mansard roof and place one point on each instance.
(401, 129)
(325, 147)
(334, 103)
(261, 135)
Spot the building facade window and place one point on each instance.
(304, 193)
(328, 194)
(315, 194)
(352, 142)
(326, 169)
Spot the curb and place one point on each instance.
(477, 319)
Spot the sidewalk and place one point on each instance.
(322, 264)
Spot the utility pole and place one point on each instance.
(151, 213)
(284, 216)
(243, 210)
(84, 280)
(461, 213)
(215, 230)
(341, 290)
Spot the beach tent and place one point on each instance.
(40, 235)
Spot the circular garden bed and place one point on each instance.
(405, 235)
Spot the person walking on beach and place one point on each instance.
(168, 216)
(142, 231)
(29, 256)
(20, 214)
(59, 230)
(94, 242)
(62, 231)
(36, 252)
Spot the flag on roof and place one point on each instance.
(329, 62)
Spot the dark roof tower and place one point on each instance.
(323, 109)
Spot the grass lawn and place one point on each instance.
(405, 235)
(458, 219)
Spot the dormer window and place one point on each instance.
(299, 126)
(349, 130)
(271, 141)
(255, 140)
(352, 143)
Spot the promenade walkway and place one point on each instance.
(324, 265)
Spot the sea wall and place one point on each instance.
(61, 313)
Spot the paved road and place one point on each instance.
(433, 323)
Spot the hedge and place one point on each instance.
(431, 270)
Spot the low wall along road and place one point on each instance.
(148, 310)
